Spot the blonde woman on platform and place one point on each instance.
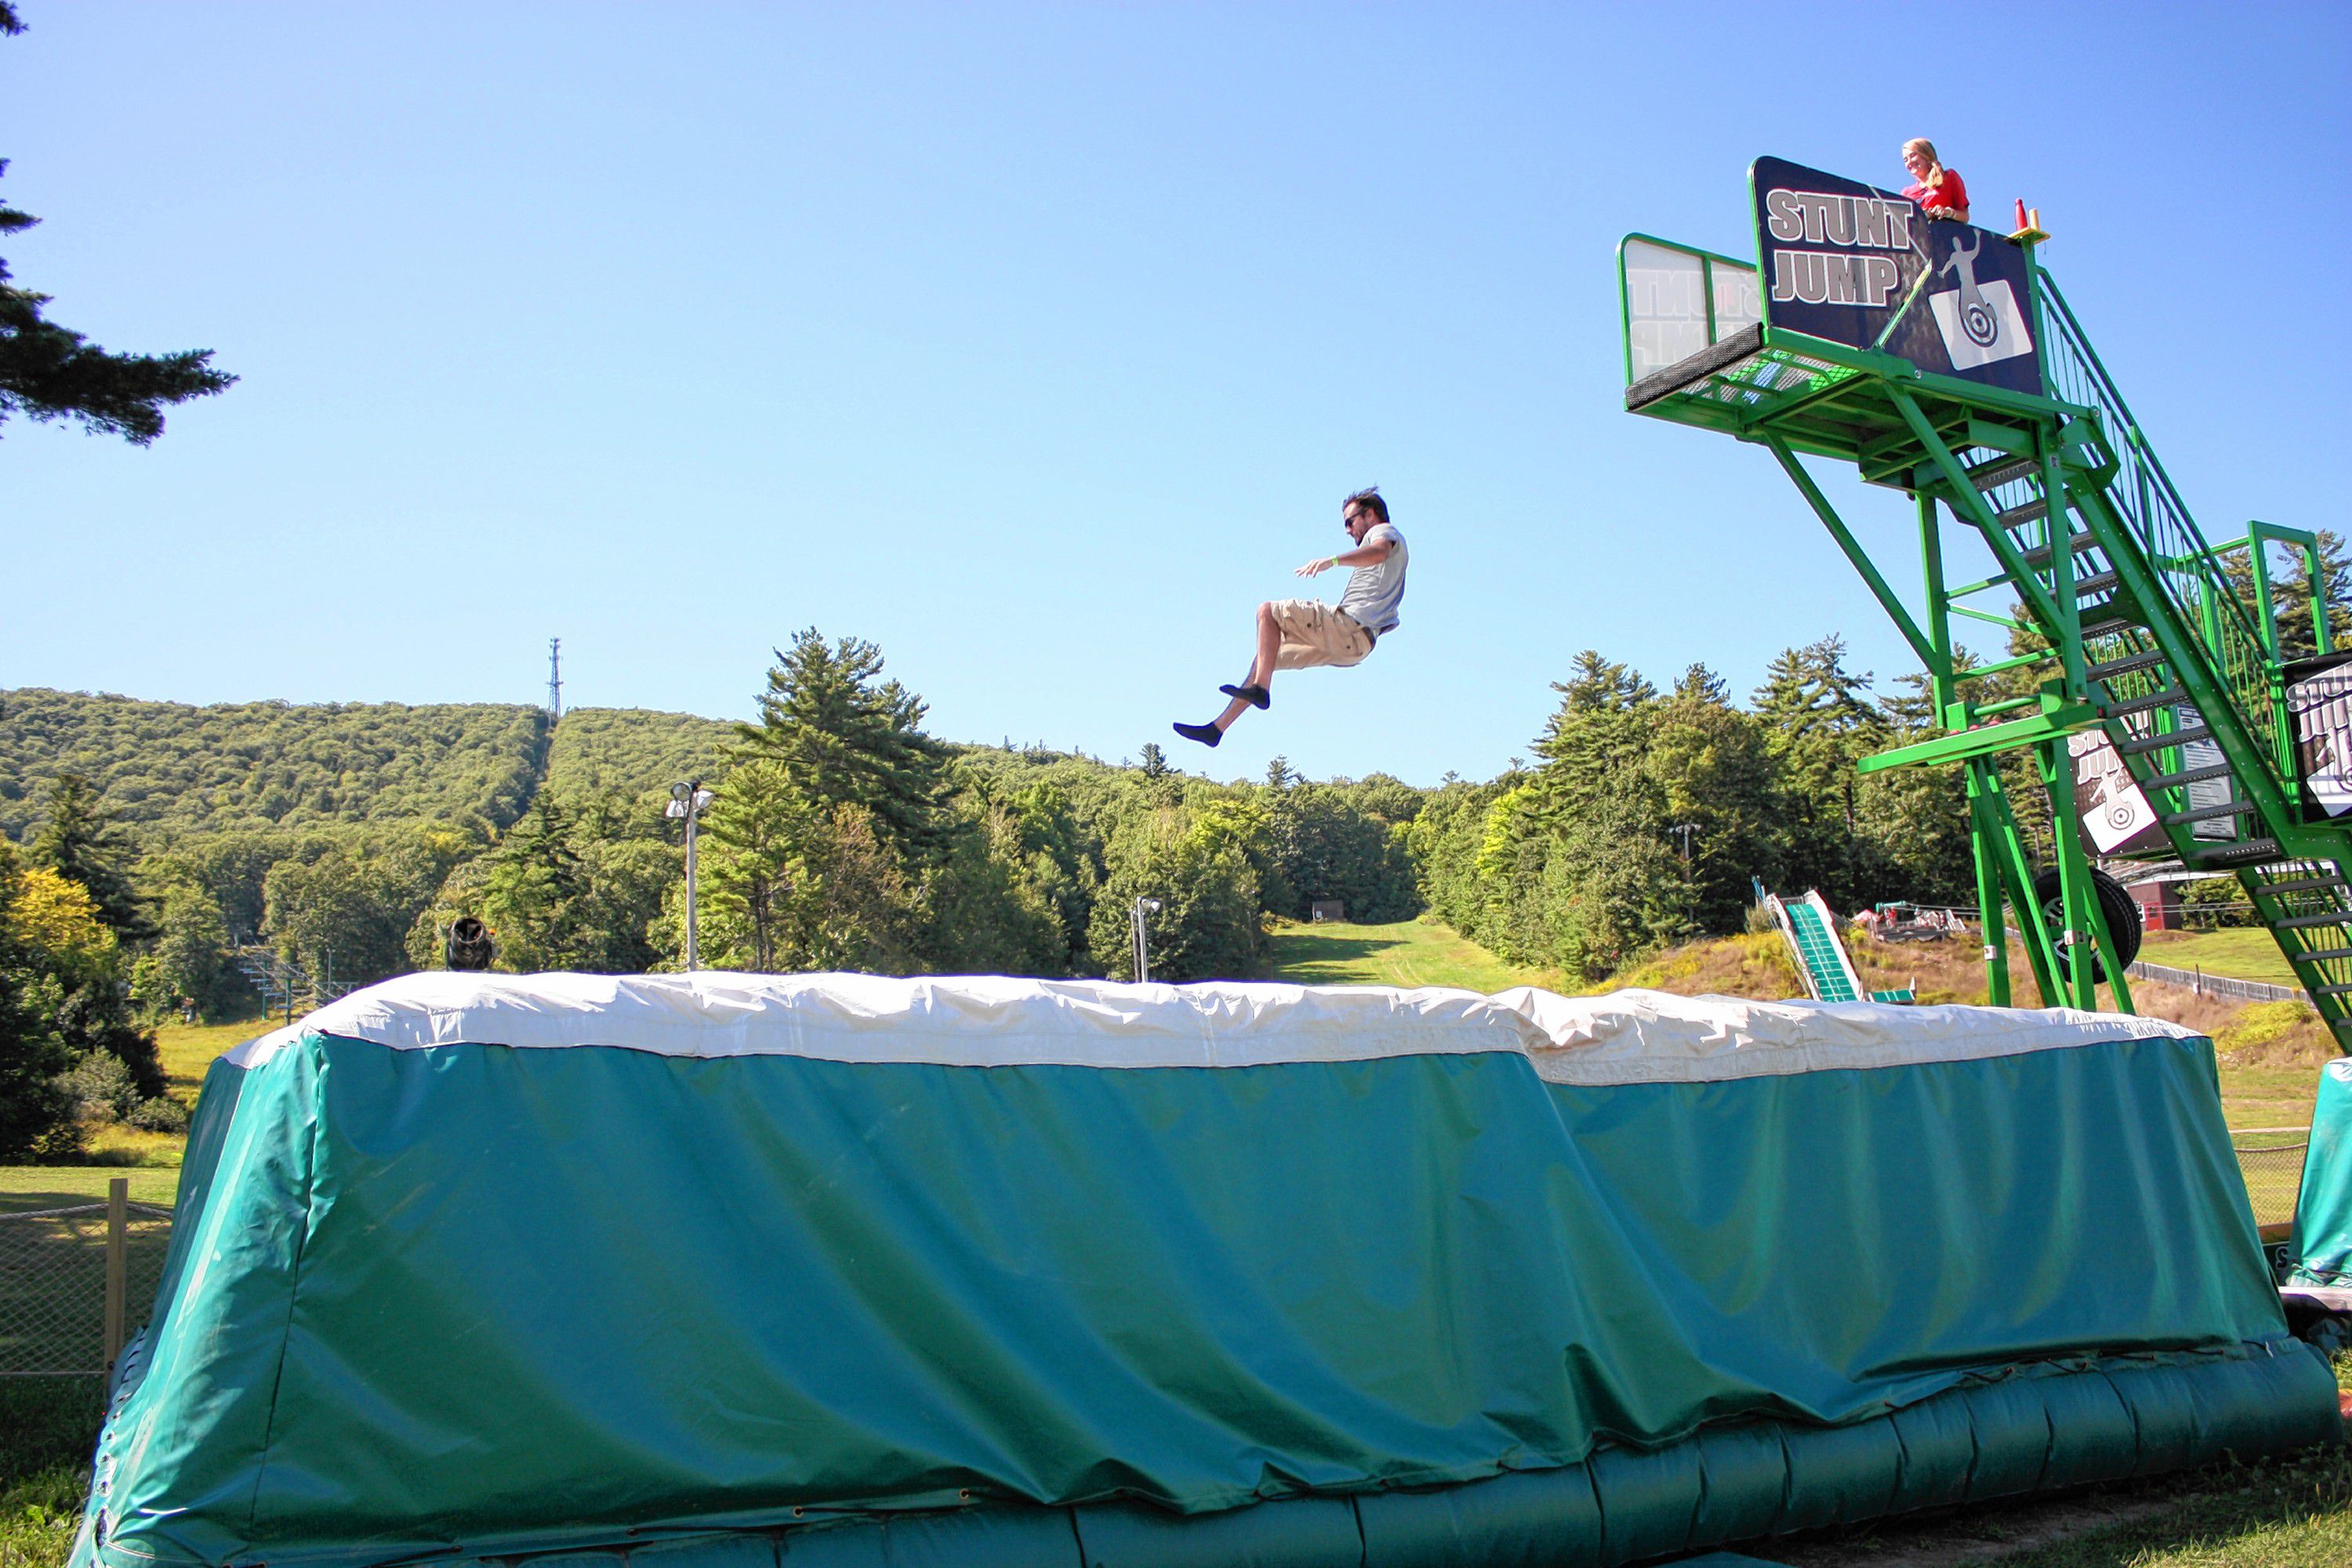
(1938, 190)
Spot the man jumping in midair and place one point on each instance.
(1297, 634)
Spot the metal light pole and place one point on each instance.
(1142, 948)
(687, 799)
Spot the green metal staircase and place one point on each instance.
(2149, 640)
(2185, 678)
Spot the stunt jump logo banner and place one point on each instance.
(1854, 265)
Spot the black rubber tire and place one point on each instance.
(2121, 909)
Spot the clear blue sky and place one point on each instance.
(1039, 343)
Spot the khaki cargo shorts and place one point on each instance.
(1313, 633)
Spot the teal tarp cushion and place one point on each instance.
(469, 1299)
(2320, 1250)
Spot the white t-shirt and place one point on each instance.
(1374, 592)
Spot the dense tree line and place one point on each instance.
(843, 835)
(1646, 815)
(171, 769)
(846, 837)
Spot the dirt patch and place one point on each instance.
(1968, 1537)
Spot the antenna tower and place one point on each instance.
(555, 678)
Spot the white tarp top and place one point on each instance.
(1627, 1037)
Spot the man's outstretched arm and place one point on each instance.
(1370, 554)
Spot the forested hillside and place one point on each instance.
(180, 768)
(167, 770)
(634, 752)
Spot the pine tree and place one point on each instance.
(1820, 717)
(1715, 773)
(1819, 721)
(1700, 684)
(80, 840)
(756, 839)
(844, 736)
(1593, 741)
(2292, 600)
(47, 372)
(536, 889)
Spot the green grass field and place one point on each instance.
(1409, 953)
(2241, 953)
(187, 1049)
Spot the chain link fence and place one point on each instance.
(76, 1283)
(2272, 1162)
(2205, 984)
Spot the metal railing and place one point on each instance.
(2156, 518)
(2206, 985)
(76, 1282)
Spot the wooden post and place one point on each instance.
(118, 1202)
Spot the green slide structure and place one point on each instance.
(1811, 931)
(734, 1271)
(2160, 705)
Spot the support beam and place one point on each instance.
(2077, 899)
(2054, 722)
(1989, 906)
(1967, 501)
(2057, 530)
(2006, 845)
(1944, 691)
(1853, 550)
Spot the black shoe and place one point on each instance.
(1254, 695)
(1207, 734)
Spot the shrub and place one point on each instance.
(99, 1087)
(161, 1114)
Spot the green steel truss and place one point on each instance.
(2150, 641)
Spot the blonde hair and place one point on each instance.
(1934, 180)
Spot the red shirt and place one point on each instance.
(1950, 196)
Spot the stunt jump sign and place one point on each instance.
(1854, 265)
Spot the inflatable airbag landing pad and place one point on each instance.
(888, 1271)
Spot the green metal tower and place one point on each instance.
(1942, 361)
